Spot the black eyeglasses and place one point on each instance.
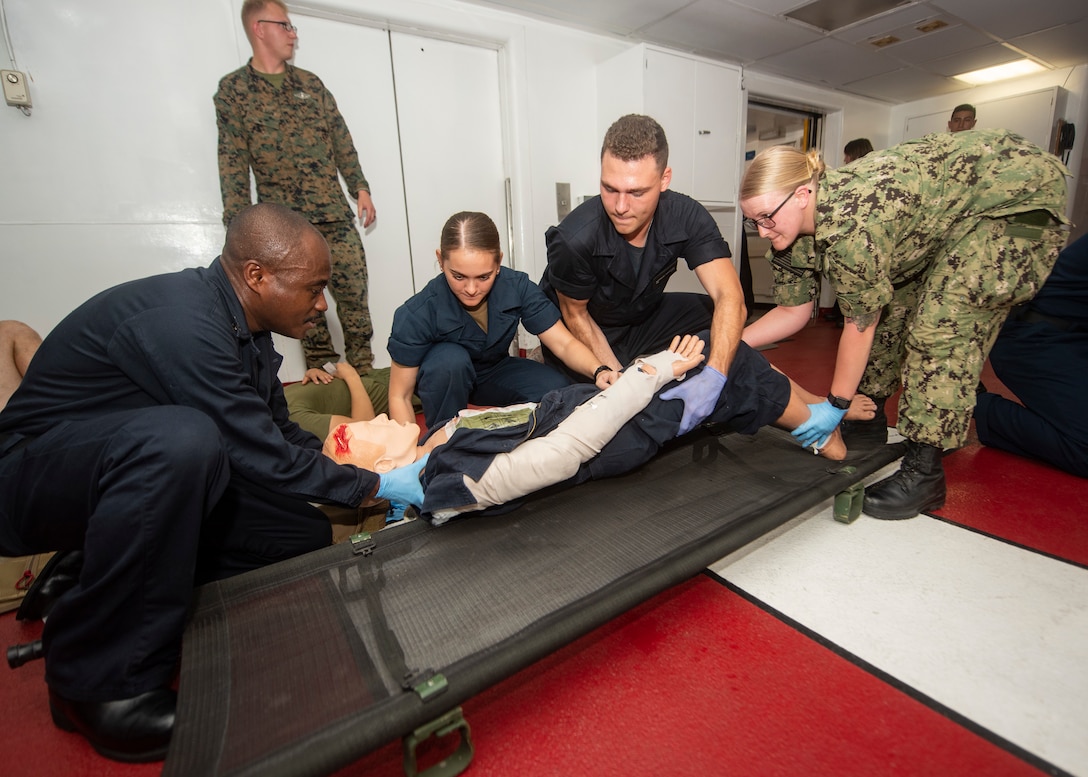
(285, 25)
(767, 222)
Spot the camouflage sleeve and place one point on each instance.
(875, 224)
(347, 160)
(794, 277)
(234, 158)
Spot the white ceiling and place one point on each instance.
(758, 35)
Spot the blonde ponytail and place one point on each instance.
(816, 164)
(780, 169)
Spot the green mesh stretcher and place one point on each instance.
(303, 667)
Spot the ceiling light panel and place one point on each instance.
(989, 75)
(975, 59)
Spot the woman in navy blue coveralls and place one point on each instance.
(450, 343)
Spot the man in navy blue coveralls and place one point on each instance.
(1041, 354)
(151, 432)
(610, 259)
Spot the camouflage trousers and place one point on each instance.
(935, 334)
(348, 285)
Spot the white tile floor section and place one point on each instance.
(993, 632)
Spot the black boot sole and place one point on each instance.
(64, 723)
(899, 515)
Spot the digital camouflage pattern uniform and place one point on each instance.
(941, 236)
(296, 142)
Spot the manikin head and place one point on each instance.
(469, 256)
(378, 445)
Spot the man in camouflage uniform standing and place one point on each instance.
(962, 119)
(928, 245)
(281, 122)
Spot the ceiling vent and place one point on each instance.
(830, 15)
(932, 25)
(909, 32)
(886, 40)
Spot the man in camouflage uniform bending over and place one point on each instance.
(283, 123)
(928, 245)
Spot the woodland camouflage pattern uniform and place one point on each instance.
(295, 141)
(941, 235)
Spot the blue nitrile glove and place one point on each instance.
(396, 511)
(402, 484)
(700, 395)
(823, 421)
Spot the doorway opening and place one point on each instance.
(776, 125)
(773, 125)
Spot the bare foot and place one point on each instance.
(835, 447)
(861, 409)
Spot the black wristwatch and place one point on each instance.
(599, 370)
(838, 402)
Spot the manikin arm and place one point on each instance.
(544, 461)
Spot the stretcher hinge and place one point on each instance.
(426, 683)
(848, 503)
(455, 763)
(362, 544)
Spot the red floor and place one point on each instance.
(663, 690)
(666, 690)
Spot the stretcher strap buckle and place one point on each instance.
(453, 721)
(362, 544)
(426, 683)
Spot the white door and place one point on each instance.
(717, 151)
(426, 120)
(451, 139)
(670, 97)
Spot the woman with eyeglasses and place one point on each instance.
(928, 245)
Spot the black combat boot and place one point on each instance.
(917, 486)
(867, 434)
